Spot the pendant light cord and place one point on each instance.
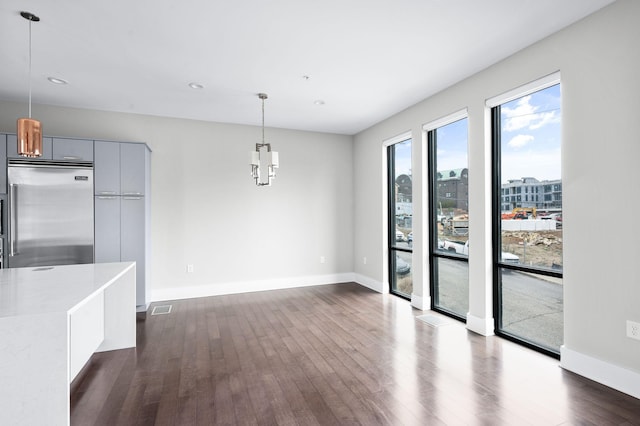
(263, 121)
(30, 67)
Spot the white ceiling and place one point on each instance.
(366, 59)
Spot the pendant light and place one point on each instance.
(263, 157)
(29, 130)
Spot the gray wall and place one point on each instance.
(599, 60)
(207, 211)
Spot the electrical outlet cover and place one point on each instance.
(633, 330)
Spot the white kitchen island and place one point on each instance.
(52, 319)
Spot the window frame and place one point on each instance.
(430, 130)
(498, 264)
(392, 247)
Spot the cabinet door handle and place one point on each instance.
(71, 157)
(132, 194)
(107, 193)
(132, 198)
(106, 197)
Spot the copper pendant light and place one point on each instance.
(29, 130)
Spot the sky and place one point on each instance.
(531, 136)
(403, 158)
(451, 143)
(530, 132)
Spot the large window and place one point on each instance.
(400, 218)
(528, 230)
(449, 218)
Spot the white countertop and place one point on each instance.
(41, 290)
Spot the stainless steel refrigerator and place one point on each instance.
(50, 213)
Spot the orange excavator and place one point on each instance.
(520, 213)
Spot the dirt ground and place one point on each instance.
(541, 248)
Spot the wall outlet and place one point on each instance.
(322, 259)
(364, 260)
(633, 329)
(190, 268)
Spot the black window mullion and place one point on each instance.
(433, 205)
(497, 223)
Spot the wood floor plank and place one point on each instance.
(329, 355)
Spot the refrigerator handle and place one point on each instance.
(13, 219)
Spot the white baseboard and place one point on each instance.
(419, 302)
(611, 375)
(482, 326)
(371, 283)
(190, 292)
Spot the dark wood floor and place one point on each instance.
(337, 354)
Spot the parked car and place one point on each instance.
(410, 237)
(399, 235)
(462, 247)
(402, 266)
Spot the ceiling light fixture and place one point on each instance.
(263, 157)
(196, 85)
(56, 80)
(29, 130)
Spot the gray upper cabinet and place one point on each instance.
(133, 171)
(12, 147)
(107, 168)
(72, 149)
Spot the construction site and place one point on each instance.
(534, 236)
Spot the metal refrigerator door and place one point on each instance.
(51, 215)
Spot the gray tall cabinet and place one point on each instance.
(122, 205)
(122, 198)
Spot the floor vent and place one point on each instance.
(161, 310)
(434, 321)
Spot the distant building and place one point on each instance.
(453, 189)
(403, 189)
(404, 206)
(530, 192)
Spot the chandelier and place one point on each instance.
(263, 159)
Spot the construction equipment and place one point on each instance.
(521, 213)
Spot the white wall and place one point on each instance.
(599, 60)
(207, 211)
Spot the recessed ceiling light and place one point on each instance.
(196, 86)
(56, 80)
(306, 77)
(318, 102)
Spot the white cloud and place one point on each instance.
(519, 141)
(524, 115)
(545, 118)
